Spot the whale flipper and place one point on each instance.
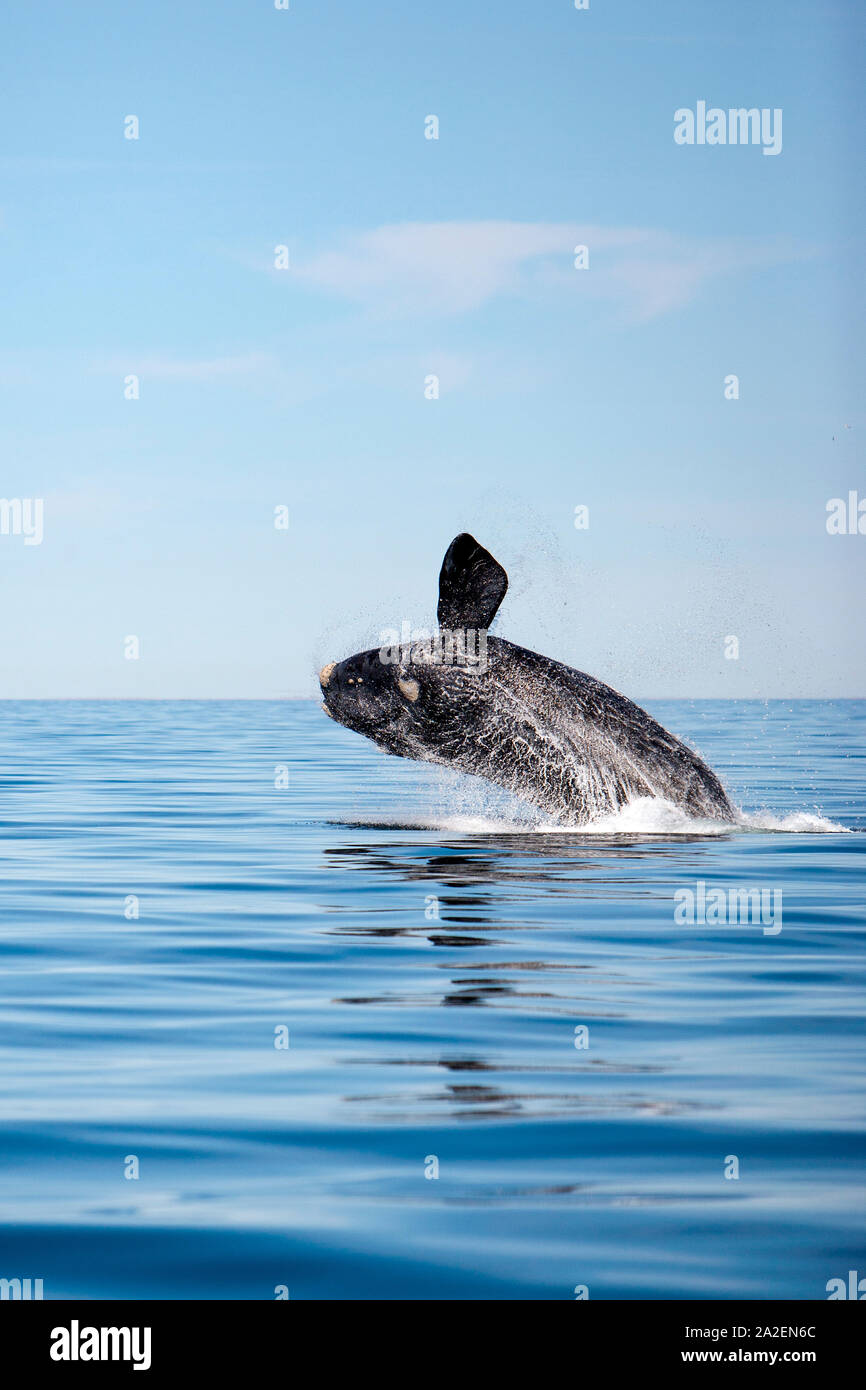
(471, 585)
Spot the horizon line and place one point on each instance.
(315, 699)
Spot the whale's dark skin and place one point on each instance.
(551, 735)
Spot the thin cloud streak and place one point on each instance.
(449, 268)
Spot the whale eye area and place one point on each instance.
(408, 687)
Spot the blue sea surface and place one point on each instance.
(188, 885)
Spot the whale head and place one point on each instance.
(412, 697)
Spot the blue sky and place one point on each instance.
(409, 257)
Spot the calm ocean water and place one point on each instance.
(431, 958)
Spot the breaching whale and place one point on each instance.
(557, 738)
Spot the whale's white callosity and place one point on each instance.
(551, 735)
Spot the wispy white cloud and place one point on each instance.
(450, 266)
(443, 268)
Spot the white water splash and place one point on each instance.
(644, 816)
(796, 823)
(471, 807)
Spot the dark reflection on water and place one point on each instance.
(521, 1007)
